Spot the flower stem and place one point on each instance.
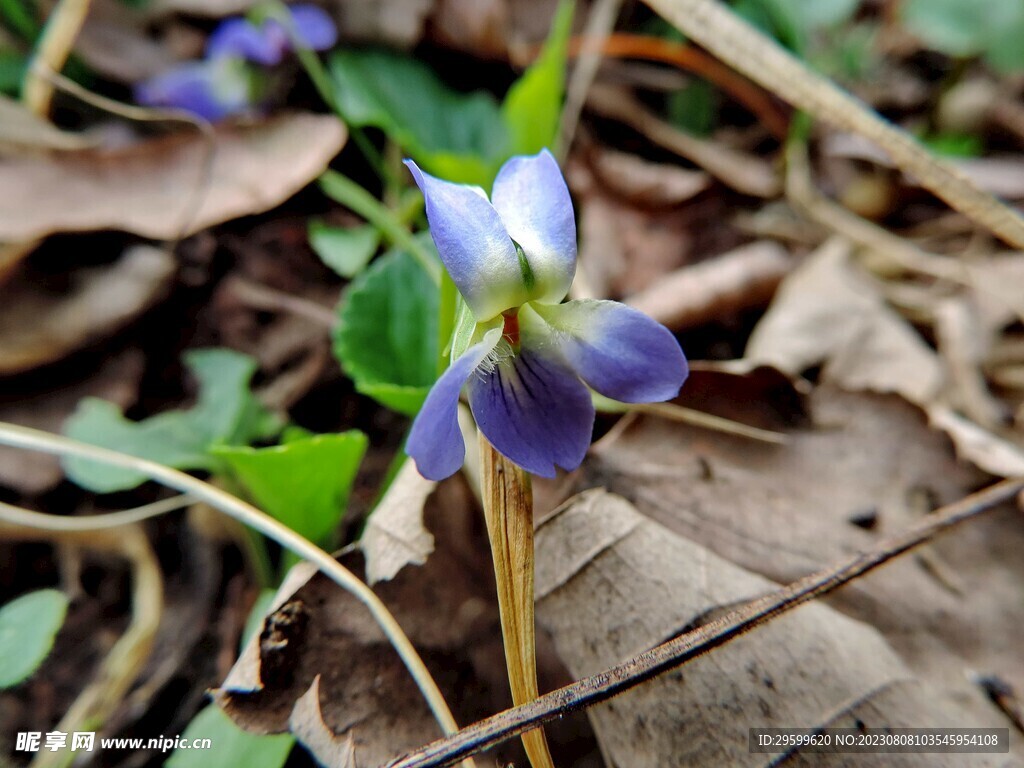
(508, 509)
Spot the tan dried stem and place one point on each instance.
(508, 509)
(52, 51)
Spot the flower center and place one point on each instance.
(511, 330)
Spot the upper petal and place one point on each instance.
(241, 38)
(314, 27)
(435, 441)
(533, 410)
(533, 201)
(617, 350)
(473, 244)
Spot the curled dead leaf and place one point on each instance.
(41, 326)
(828, 312)
(395, 535)
(307, 724)
(645, 183)
(21, 129)
(171, 186)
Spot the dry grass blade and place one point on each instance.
(720, 31)
(37, 440)
(705, 638)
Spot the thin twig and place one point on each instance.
(38, 440)
(600, 687)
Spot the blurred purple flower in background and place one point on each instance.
(212, 89)
(268, 42)
(227, 82)
(530, 358)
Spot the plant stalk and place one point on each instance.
(508, 509)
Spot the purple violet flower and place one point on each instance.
(530, 358)
(268, 42)
(211, 90)
(224, 83)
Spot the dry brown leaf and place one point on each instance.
(46, 406)
(395, 22)
(11, 255)
(114, 42)
(22, 129)
(964, 345)
(612, 584)
(623, 250)
(743, 172)
(717, 287)
(395, 535)
(496, 28)
(307, 723)
(39, 325)
(868, 466)
(644, 183)
(365, 691)
(997, 283)
(208, 8)
(984, 449)
(160, 188)
(475, 26)
(828, 312)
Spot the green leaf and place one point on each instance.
(304, 483)
(1005, 52)
(225, 413)
(950, 26)
(28, 626)
(954, 144)
(229, 745)
(345, 250)
(533, 104)
(822, 13)
(694, 107)
(386, 338)
(794, 22)
(408, 101)
(12, 71)
(993, 28)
